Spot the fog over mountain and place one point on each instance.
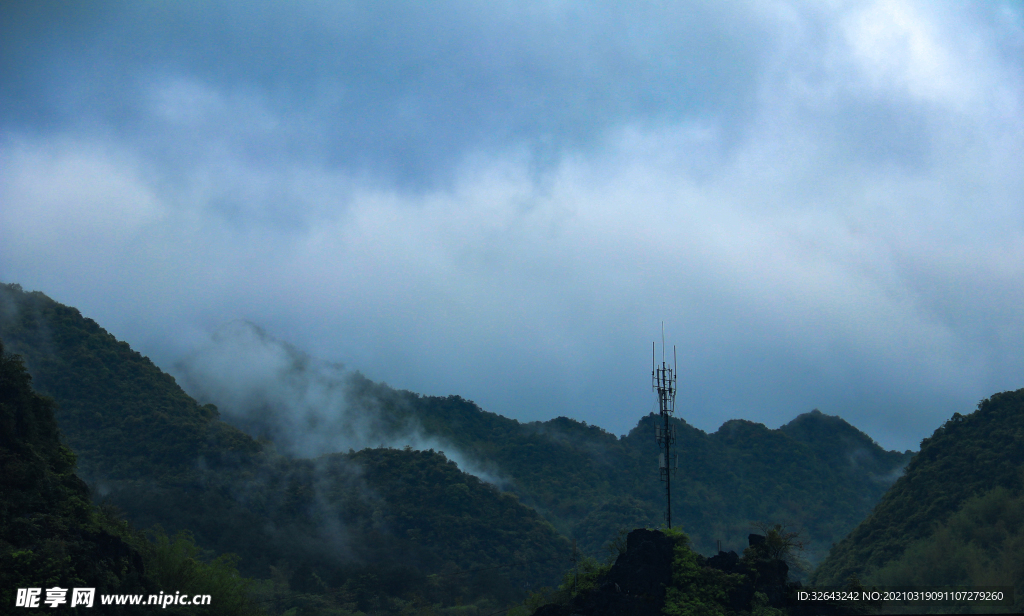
(275, 391)
(503, 201)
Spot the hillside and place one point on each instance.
(52, 536)
(818, 472)
(347, 528)
(746, 472)
(956, 516)
(145, 443)
(49, 532)
(122, 415)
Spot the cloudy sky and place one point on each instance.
(823, 201)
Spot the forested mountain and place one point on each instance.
(52, 536)
(817, 473)
(348, 527)
(350, 531)
(122, 415)
(49, 532)
(956, 516)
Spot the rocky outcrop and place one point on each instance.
(636, 583)
(634, 586)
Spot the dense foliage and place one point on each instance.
(353, 531)
(122, 415)
(968, 457)
(377, 529)
(817, 473)
(659, 573)
(979, 546)
(51, 535)
(697, 590)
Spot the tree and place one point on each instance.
(696, 590)
(780, 542)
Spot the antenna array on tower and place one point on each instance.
(663, 381)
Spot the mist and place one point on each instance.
(304, 406)
(503, 201)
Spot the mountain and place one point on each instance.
(51, 536)
(49, 532)
(956, 517)
(354, 528)
(818, 472)
(122, 415)
(301, 512)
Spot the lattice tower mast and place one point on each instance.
(663, 380)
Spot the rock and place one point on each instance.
(725, 561)
(645, 568)
(635, 585)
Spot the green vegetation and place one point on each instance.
(981, 545)
(817, 473)
(783, 544)
(697, 590)
(372, 530)
(177, 563)
(660, 573)
(123, 416)
(52, 536)
(394, 530)
(968, 457)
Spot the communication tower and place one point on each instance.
(663, 381)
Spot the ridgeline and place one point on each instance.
(52, 536)
(956, 518)
(400, 528)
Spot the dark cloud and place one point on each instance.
(399, 92)
(504, 201)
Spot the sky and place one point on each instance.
(823, 202)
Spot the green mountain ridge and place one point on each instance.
(48, 531)
(144, 444)
(53, 538)
(369, 524)
(117, 410)
(817, 472)
(577, 475)
(964, 486)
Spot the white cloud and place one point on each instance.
(843, 231)
(66, 189)
(899, 49)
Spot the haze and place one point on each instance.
(823, 201)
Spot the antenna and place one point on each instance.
(663, 381)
